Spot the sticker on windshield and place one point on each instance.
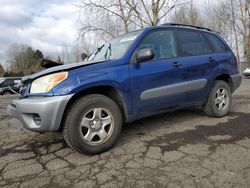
(128, 38)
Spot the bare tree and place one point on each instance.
(232, 20)
(87, 44)
(76, 54)
(218, 16)
(65, 54)
(72, 54)
(113, 17)
(153, 12)
(243, 26)
(105, 19)
(1, 70)
(24, 59)
(188, 14)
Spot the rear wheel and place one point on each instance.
(219, 101)
(93, 124)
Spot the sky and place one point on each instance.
(47, 25)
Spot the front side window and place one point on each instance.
(218, 46)
(190, 43)
(162, 42)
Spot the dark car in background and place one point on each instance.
(10, 85)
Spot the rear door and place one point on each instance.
(198, 62)
(221, 54)
(156, 84)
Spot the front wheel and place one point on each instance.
(93, 124)
(219, 101)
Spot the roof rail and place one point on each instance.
(186, 25)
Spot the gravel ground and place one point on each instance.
(178, 149)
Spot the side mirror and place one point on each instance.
(84, 56)
(144, 55)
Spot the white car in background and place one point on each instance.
(246, 73)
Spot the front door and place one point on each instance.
(157, 84)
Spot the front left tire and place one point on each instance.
(92, 124)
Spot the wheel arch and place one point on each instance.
(227, 78)
(109, 91)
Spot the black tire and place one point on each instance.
(73, 118)
(210, 107)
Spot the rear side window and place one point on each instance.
(190, 43)
(218, 46)
(206, 45)
(162, 42)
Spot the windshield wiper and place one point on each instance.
(108, 50)
(99, 49)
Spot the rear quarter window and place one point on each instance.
(216, 43)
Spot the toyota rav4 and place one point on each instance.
(136, 75)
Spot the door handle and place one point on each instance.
(176, 64)
(211, 59)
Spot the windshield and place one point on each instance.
(116, 49)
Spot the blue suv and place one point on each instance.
(136, 75)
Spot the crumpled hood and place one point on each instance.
(58, 69)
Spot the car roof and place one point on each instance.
(185, 26)
(175, 25)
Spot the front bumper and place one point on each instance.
(49, 109)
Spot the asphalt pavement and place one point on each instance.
(178, 149)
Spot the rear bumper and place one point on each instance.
(236, 79)
(49, 110)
